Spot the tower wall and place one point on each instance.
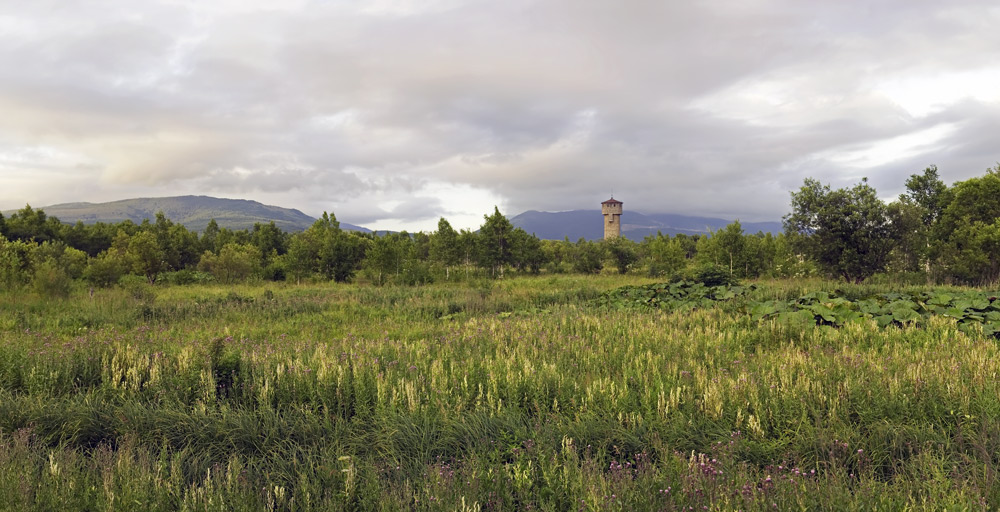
(612, 211)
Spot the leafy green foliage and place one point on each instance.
(526, 251)
(967, 236)
(664, 255)
(16, 263)
(51, 280)
(326, 250)
(234, 263)
(708, 274)
(587, 257)
(444, 246)
(146, 256)
(494, 244)
(623, 252)
(971, 310)
(848, 232)
(30, 224)
(677, 295)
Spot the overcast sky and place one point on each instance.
(393, 113)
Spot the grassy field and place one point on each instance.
(512, 395)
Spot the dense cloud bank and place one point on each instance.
(395, 113)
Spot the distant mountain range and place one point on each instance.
(589, 224)
(195, 212)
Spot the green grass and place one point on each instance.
(519, 394)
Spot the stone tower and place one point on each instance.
(612, 210)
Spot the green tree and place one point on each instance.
(588, 257)
(209, 236)
(444, 247)
(963, 242)
(348, 252)
(494, 243)
(788, 262)
(973, 253)
(623, 252)
(91, 239)
(146, 256)
(730, 243)
(421, 246)
(558, 255)
(234, 263)
(915, 214)
(689, 243)
(385, 257)
(109, 266)
(269, 240)
(30, 224)
(327, 250)
(468, 241)
(743, 255)
(51, 280)
(707, 251)
(71, 261)
(911, 253)
(104, 270)
(300, 259)
(271, 243)
(526, 251)
(184, 247)
(663, 255)
(847, 232)
(927, 191)
(759, 252)
(16, 264)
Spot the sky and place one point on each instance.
(394, 113)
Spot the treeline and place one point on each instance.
(40, 252)
(933, 232)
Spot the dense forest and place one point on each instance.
(932, 233)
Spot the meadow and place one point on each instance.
(529, 393)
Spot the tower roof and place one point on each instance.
(612, 201)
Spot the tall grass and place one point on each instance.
(495, 396)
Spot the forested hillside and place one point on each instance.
(194, 212)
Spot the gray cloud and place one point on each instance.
(394, 113)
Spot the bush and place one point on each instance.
(588, 258)
(138, 287)
(275, 271)
(415, 273)
(103, 271)
(234, 263)
(708, 274)
(51, 280)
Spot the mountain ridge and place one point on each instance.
(588, 224)
(196, 211)
(193, 211)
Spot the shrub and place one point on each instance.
(51, 280)
(138, 288)
(708, 274)
(103, 271)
